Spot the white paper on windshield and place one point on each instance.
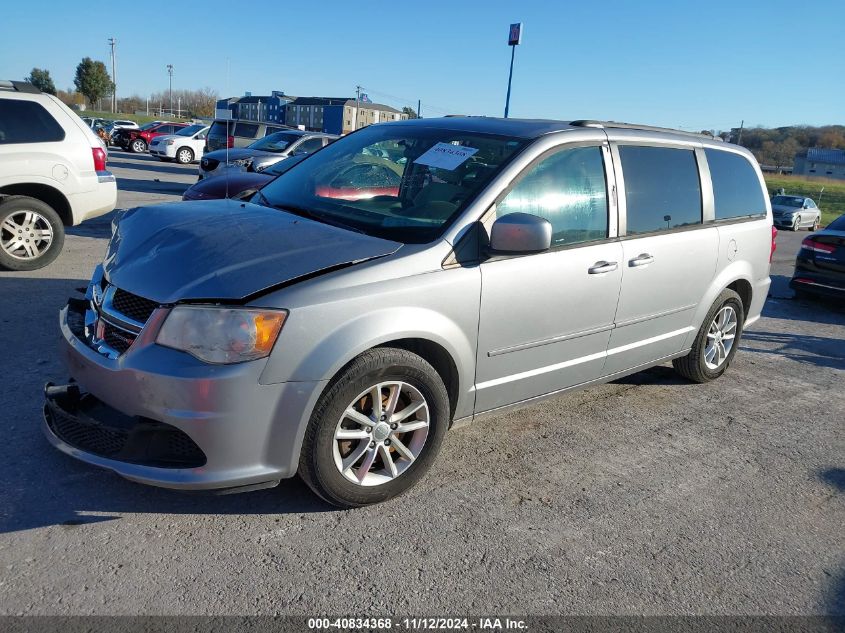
(446, 156)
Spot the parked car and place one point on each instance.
(238, 185)
(795, 212)
(820, 265)
(138, 140)
(236, 133)
(340, 335)
(259, 155)
(52, 174)
(186, 146)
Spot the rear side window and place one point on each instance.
(568, 189)
(249, 130)
(662, 188)
(736, 187)
(219, 128)
(27, 122)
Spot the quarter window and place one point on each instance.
(736, 187)
(27, 122)
(662, 188)
(568, 189)
(247, 130)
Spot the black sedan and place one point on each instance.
(820, 265)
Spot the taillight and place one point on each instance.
(774, 243)
(230, 142)
(817, 247)
(99, 158)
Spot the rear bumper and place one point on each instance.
(96, 202)
(248, 433)
(816, 284)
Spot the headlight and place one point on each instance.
(241, 162)
(170, 142)
(222, 335)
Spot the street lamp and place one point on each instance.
(514, 40)
(170, 72)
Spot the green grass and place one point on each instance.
(140, 119)
(831, 201)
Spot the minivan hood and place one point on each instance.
(225, 250)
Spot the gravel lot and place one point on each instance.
(646, 496)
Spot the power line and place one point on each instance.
(410, 102)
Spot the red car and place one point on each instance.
(139, 140)
(351, 182)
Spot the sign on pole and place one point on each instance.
(515, 34)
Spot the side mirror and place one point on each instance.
(521, 233)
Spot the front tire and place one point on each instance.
(31, 233)
(376, 429)
(184, 156)
(716, 342)
(138, 146)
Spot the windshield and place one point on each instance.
(149, 125)
(788, 201)
(401, 182)
(190, 130)
(277, 142)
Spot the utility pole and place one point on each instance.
(170, 72)
(113, 43)
(419, 107)
(741, 125)
(357, 104)
(514, 40)
(179, 107)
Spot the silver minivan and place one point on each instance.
(408, 278)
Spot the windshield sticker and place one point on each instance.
(446, 156)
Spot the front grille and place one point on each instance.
(94, 427)
(119, 340)
(135, 307)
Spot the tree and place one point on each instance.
(412, 114)
(41, 79)
(92, 80)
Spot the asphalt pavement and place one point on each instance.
(649, 495)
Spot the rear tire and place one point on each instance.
(816, 224)
(698, 365)
(184, 156)
(328, 462)
(25, 224)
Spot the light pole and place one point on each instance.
(113, 43)
(170, 72)
(514, 40)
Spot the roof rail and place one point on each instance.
(635, 126)
(18, 86)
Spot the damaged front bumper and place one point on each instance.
(159, 416)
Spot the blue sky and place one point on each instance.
(693, 65)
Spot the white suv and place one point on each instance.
(52, 174)
(186, 146)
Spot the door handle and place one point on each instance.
(643, 259)
(601, 267)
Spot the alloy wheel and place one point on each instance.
(720, 337)
(381, 433)
(26, 235)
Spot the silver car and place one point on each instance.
(339, 322)
(795, 212)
